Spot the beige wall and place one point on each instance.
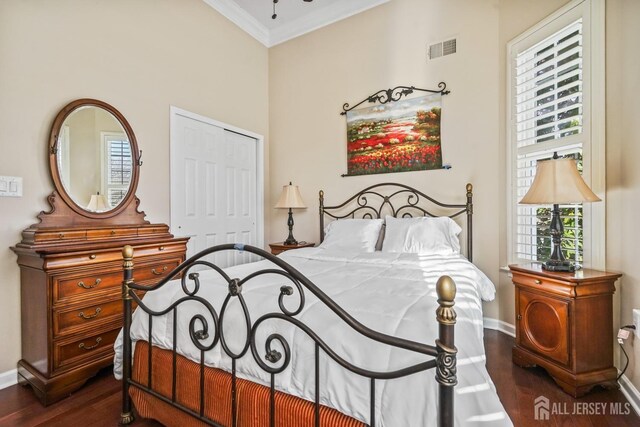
(312, 76)
(623, 154)
(139, 56)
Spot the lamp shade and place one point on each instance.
(98, 203)
(558, 181)
(290, 198)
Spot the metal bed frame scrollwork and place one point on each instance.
(401, 201)
(441, 355)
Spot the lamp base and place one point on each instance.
(559, 265)
(291, 242)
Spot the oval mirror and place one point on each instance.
(93, 158)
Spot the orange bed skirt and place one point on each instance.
(253, 400)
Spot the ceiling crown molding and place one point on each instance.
(316, 19)
(320, 18)
(242, 18)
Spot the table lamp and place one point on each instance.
(98, 203)
(558, 181)
(290, 198)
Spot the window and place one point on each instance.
(551, 97)
(118, 164)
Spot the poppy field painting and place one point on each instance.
(396, 137)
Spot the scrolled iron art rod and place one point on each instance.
(395, 94)
(205, 333)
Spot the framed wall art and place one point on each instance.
(398, 134)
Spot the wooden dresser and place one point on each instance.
(71, 260)
(71, 283)
(564, 324)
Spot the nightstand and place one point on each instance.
(278, 248)
(564, 324)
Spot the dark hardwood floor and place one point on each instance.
(98, 403)
(519, 387)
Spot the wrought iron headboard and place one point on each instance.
(398, 200)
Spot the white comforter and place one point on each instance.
(391, 293)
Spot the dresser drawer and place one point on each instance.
(67, 321)
(61, 235)
(86, 285)
(111, 233)
(154, 271)
(113, 256)
(72, 353)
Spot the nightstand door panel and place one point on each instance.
(543, 325)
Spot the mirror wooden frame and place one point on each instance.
(53, 154)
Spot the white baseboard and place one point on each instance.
(9, 378)
(499, 325)
(631, 393)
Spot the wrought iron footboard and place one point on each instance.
(442, 354)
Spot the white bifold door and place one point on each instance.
(213, 188)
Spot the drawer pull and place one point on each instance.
(82, 285)
(90, 347)
(159, 273)
(538, 282)
(113, 232)
(92, 256)
(519, 317)
(161, 248)
(61, 236)
(91, 316)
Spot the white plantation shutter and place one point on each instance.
(548, 88)
(119, 167)
(549, 108)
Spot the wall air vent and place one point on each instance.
(447, 47)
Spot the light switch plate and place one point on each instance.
(10, 186)
(636, 321)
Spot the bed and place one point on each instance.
(326, 336)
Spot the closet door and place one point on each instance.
(213, 188)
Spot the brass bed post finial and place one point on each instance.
(127, 265)
(126, 416)
(446, 358)
(321, 212)
(446, 290)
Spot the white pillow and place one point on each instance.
(356, 235)
(422, 235)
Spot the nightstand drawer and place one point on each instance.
(542, 284)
